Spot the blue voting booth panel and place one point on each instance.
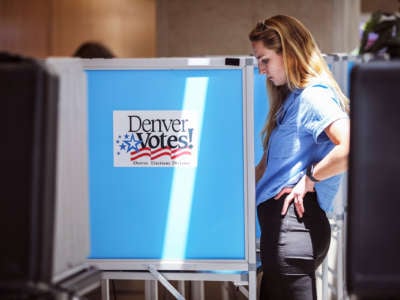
(173, 212)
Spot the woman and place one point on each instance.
(306, 144)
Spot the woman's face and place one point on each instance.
(270, 63)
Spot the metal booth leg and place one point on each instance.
(197, 290)
(325, 286)
(225, 291)
(252, 285)
(105, 289)
(181, 287)
(151, 289)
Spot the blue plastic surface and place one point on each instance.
(168, 213)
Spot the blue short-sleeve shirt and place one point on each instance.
(299, 140)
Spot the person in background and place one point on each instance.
(93, 50)
(306, 146)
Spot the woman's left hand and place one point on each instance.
(296, 194)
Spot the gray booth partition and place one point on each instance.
(44, 206)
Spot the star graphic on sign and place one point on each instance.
(131, 142)
(122, 147)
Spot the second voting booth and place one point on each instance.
(171, 176)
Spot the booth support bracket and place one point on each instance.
(157, 275)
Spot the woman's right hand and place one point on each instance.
(296, 194)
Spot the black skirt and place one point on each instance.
(292, 248)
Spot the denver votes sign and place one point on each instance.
(155, 138)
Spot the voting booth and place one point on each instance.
(44, 207)
(373, 233)
(171, 167)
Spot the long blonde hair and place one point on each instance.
(303, 63)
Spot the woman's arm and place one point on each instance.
(335, 162)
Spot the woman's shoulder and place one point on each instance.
(316, 90)
(317, 97)
(317, 86)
